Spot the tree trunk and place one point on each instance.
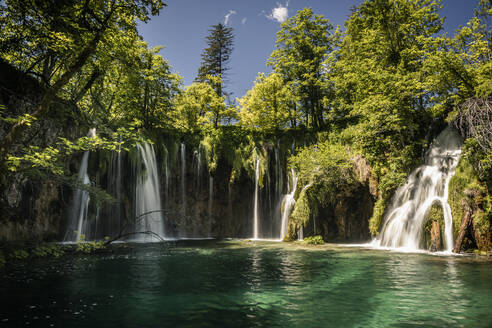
(465, 225)
(435, 237)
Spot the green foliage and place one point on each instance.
(304, 209)
(323, 162)
(313, 240)
(19, 254)
(377, 216)
(25, 118)
(480, 160)
(16, 252)
(52, 250)
(53, 158)
(302, 47)
(378, 75)
(465, 186)
(89, 247)
(199, 107)
(460, 67)
(268, 105)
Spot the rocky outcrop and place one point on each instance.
(339, 216)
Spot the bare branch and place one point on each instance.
(475, 121)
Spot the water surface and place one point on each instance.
(241, 284)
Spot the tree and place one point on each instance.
(199, 106)
(302, 45)
(460, 67)
(269, 104)
(216, 57)
(379, 75)
(55, 40)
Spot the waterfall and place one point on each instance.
(183, 177)
(300, 233)
(288, 204)
(427, 185)
(148, 197)
(78, 224)
(199, 167)
(82, 197)
(166, 178)
(118, 188)
(255, 217)
(111, 224)
(210, 202)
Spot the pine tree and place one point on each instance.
(216, 57)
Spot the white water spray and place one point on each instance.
(288, 204)
(427, 185)
(255, 217)
(148, 200)
(210, 202)
(183, 177)
(78, 225)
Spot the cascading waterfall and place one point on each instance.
(288, 204)
(166, 178)
(112, 213)
(300, 232)
(210, 202)
(427, 185)
(256, 214)
(148, 208)
(78, 225)
(210, 195)
(183, 178)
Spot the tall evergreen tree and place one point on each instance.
(216, 57)
(303, 44)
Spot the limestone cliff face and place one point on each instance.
(35, 211)
(196, 201)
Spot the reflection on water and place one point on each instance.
(210, 284)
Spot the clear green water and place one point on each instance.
(237, 284)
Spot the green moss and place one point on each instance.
(90, 246)
(435, 214)
(313, 240)
(377, 216)
(303, 209)
(48, 250)
(19, 254)
(465, 186)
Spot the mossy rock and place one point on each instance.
(465, 186)
(377, 216)
(434, 227)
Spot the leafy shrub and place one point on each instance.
(314, 240)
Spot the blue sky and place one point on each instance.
(183, 25)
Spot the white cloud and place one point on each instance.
(228, 16)
(280, 13)
(243, 21)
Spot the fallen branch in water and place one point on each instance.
(123, 232)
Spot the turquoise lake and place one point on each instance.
(245, 284)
